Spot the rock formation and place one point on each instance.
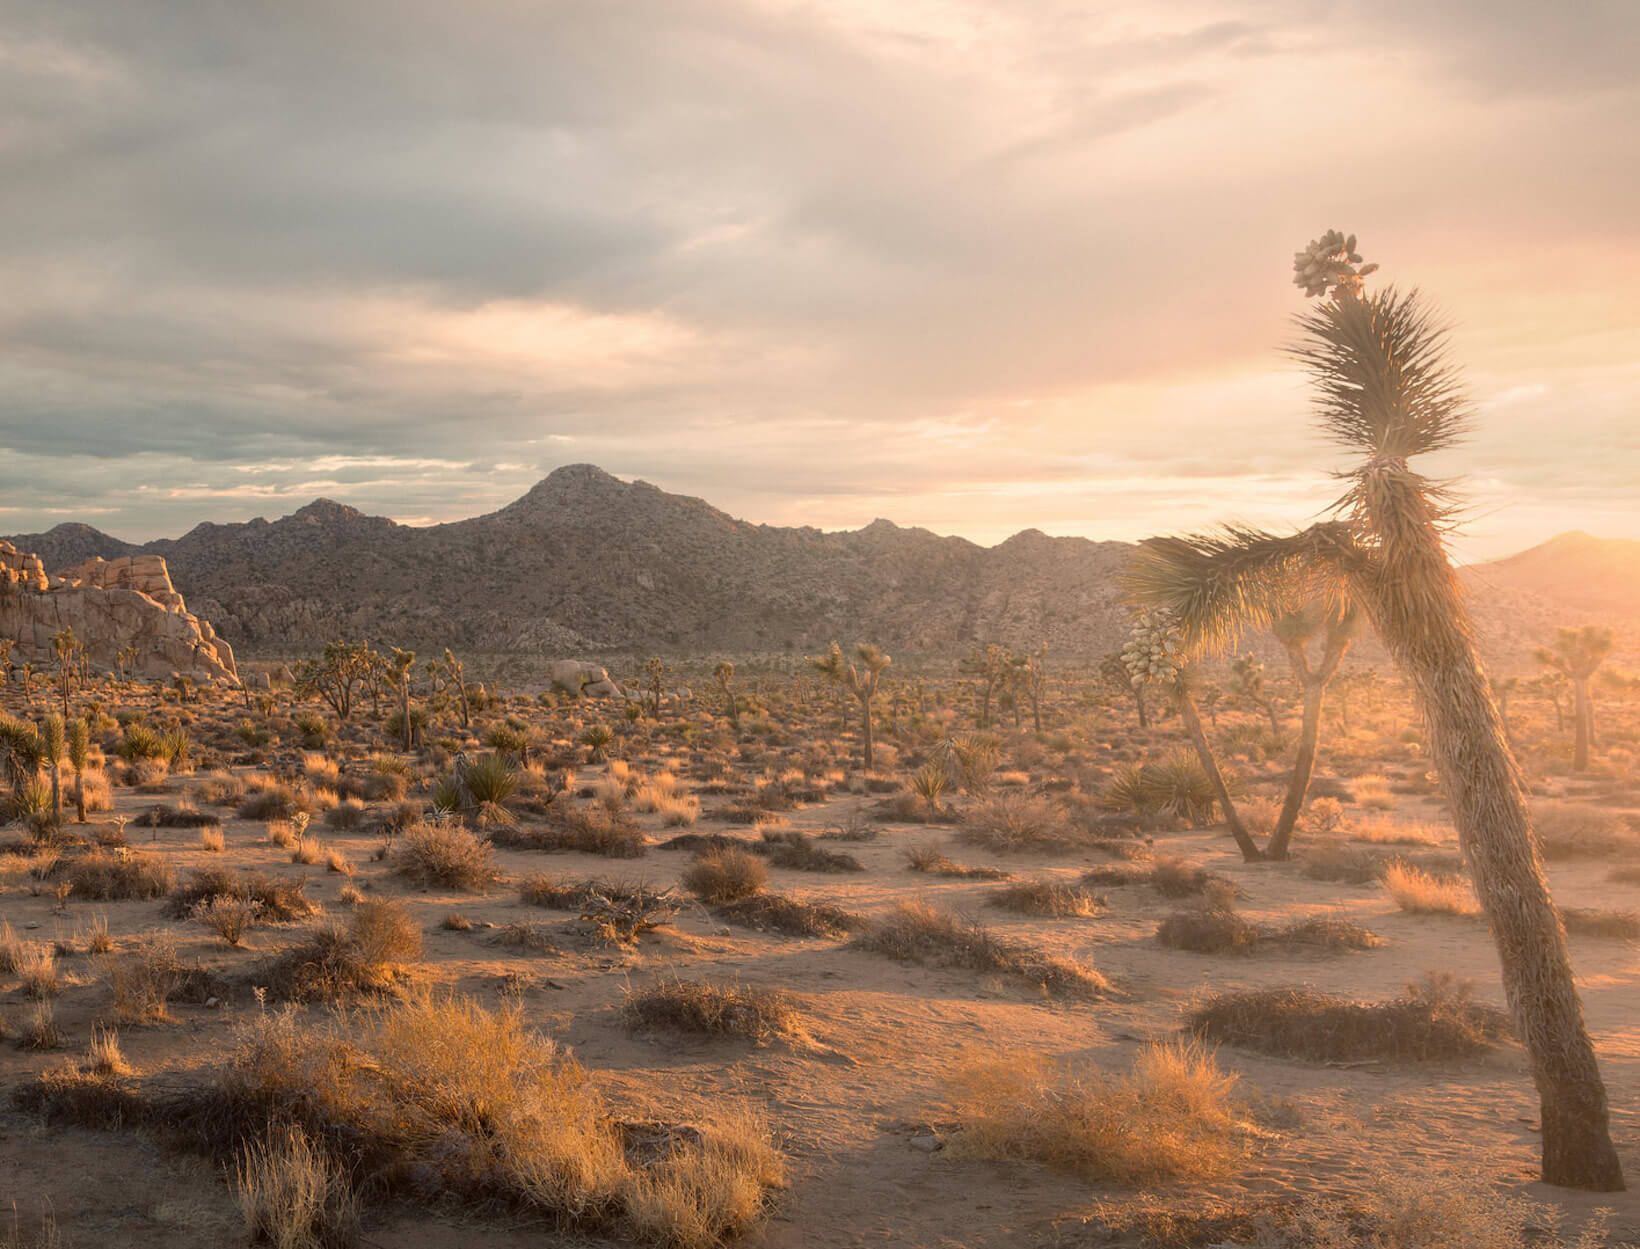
(128, 603)
(577, 677)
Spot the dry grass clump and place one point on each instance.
(40, 1031)
(932, 860)
(1054, 899)
(727, 875)
(584, 829)
(1394, 833)
(1173, 1116)
(36, 967)
(1598, 922)
(1173, 877)
(369, 956)
(279, 899)
(915, 932)
(792, 916)
(293, 1196)
(796, 852)
(1208, 930)
(448, 855)
(440, 1101)
(720, 1011)
(212, 840)
(1424, 893)
(148, 978)
(115, 875)
(1567, 830)
(228, 917)
(1434, 1018)
(182, 815)
(1020, 823)
(103, 1056)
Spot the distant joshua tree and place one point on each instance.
(1576, 654)
(860, 676)
(79, 757)
(1158, 654)
(398, 676)
(725, 674)
(1247, 682)
(991, 664)
(66, 647)
(1113, 670)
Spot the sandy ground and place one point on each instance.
(886, 1038)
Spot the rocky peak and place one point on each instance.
(328, 512)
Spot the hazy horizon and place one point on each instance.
(968, 267)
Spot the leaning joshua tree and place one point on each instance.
(1386, 391)
(859, 676)
(1576, 654)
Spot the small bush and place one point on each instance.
(1435, 1018)
(1208, 930)
(915, 932)
(1593, 922)
(228, 917)
(292, 1196)
(1568, 830)
(446, 854)
(368, 957)
(795, 852)
(1173, 1116)
(792, 916)
(720, 1011)
(719, 876)
(278, 899)
(1051, 898)
(115, 875)
(588, 830)
(1423, 893)
(1015, 823)
(932, 860)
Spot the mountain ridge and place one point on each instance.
(585, 561)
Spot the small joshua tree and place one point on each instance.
(398, 677)
(52, 740)
(79, 753)
(860, 676)
(1576, 654)
(991, 664)
(725, 674)
(66, 647)
(1155, 654)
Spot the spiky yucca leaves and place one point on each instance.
(1386, 391)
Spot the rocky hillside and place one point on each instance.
(587, 563)
(1599, 576)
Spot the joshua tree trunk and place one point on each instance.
(1582, 719)
(1204, 752)
(1413, 598)
(1144, 715)
(865, 727)
(1314, 685)
(79, 795)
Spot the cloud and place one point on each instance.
(799, 259)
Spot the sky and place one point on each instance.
(972, 266)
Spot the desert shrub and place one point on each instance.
(1424, 893)
(934, 861)
(1395, 833)
(115, 875)
(792, 916)
(293, 1195)
(721, 1011)
(439, 1101)
(796, 852)
(915, 932)
(1593, 922)
(182, 815)
(1172, 1116)
(719, 876)
(146, 979)
(1435, 1018)
(1567, 830)
(36, 968)
(271, 800)
(1327, 932)
(1051, 898)
(277, 898)
(1373, 793)
(346, 815)
(1207, 930)
(228, 917)
(447, 854)
(141, 742)
(219, 789)
(212, 840)
(570, 827)
(368, 956)
(1019, 822)
(1179, 878)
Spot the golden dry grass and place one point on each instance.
(1422, 893)
(1173, 1116)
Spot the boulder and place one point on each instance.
(110, 606)
(577, 677)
